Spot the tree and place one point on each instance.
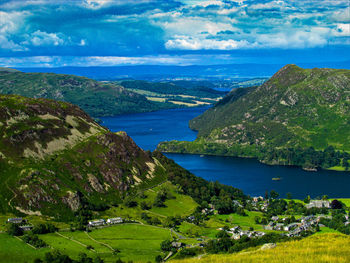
(158, 258)
(325, 197)
(335, 204)
(14, 230)
(307, 199)
(165, 245)
(98, 260)
(144, 206)
(289, 196)
(266, 195)
(274, 194)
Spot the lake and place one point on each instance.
(253, 177)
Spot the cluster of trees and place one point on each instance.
(309, 157)
(34, 240)
(44, 228)
(14, 230)
(150, 220)
(337, 222)
(226, 244)
(202, 191)
(57, 257)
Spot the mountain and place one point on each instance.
(171, 72)
(96, 98)
(298, 117)
(54, 159)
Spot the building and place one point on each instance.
(116, 220)
(99, 222)
(318, 204)
(17, 220)
(26, 228)
(275, 218)
(290, 227)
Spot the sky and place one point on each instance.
(47, 33)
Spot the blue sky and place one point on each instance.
(184, 32)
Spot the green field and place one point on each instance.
(14, 250)
(140, 243)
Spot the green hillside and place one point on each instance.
(299, 117)
(55, 158)
(96, 98)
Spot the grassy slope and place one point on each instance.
(96, 98)
(317, 248)
(49, 149)
(295, 108)
(14, 250)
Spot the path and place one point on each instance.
(98, 242)
(73, 240)
(25, 242)
(14, 194)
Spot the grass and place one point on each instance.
(14, 250)
(243, 221)
(329, 247)
(182, 205)
(136, 242)
(66, 246)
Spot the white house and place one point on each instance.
(115, 220)
(99, 222)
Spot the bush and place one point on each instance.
(34, 240)
(44, 229)
(130, 203)
(14, 230)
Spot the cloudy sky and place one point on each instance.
(183, 32)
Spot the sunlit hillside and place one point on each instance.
(317, 248)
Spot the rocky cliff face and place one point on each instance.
(54, 157)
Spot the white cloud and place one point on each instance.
(40, 38)
(296, 39)
(9, 44)
(342, 30)
(342, 15)
(186, 43)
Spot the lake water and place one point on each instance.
(253, 177)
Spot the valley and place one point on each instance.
(78, 191)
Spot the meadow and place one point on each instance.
(316, 248)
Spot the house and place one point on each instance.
(279, 227)
(270, 226)
(318, 204)
(275, 218)
(235, 229)
(99, 222)
(191, 218)
(26, 228)
(176, 244)
(236, 203)
(116, 220)
(290, 227)
(307, 219)
(17, 220)
(258, 198)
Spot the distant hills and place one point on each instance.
(96, 98)
(99, 98)
(298, 117)
(191, 72)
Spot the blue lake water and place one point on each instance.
(253, 177)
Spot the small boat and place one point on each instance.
(202, 155)
(276, 178)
